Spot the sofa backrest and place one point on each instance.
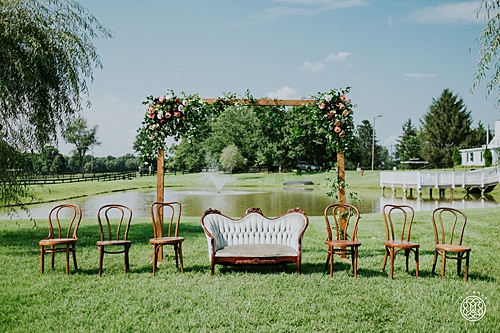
(254, 228)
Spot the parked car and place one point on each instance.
(306, 166)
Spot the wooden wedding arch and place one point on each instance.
(160, 165)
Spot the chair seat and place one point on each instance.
(166, 240)
(402, 244)
(57, 241)
(113, 242)
(453, 248)
(342, 243)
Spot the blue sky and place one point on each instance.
(396, 55)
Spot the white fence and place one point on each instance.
(481, 179)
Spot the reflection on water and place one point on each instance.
(234, 203)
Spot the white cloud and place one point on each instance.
(283, 93)
(312, 66)
(460, 12)
(420, 75)
(341, 56)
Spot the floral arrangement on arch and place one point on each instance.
(167, 116)
(337, 111)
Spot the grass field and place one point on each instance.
(243, 299)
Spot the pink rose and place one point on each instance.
(168, 115)
(162, 99)
(341, 134)
(337, 129)
(322, 106)
(342, 97)
(177, 114)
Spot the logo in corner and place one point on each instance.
(473, 308)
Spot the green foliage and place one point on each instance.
(489, 42)
(446, 125)
(408, 143)
(82, 137)
(46, 57)
(231, 159)
(488, 157)
(457, 157)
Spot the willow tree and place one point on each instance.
(46, 58)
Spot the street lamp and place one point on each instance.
(373, 139)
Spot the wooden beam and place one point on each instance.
(264, 102)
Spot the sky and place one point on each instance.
(397, 56)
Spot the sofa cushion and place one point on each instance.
(256, 251)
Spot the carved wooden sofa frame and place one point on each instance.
(254, 239)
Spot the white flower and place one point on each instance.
(180, 108)
(168, 97)
(185, 102)
(159, 115)
(328, 98)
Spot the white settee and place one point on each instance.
(254, 239)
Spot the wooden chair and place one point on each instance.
(345, 242)
(171, 213)
(449, 237)
(114, 224)
(403, 216)
(62, 235)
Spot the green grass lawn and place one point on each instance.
(244, 299)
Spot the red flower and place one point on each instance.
(177, 114)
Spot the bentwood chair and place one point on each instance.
(342, 227)
(64, 220)
(166, 214)
(449, 226)
(114, 225)
(397, 239)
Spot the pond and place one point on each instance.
(234, 202)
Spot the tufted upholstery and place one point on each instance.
(224, 233)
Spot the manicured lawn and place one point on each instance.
(246, 299)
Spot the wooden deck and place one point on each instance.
(481, 180)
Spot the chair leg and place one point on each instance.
(443, 264)
(176, 252)
(327, 261)
(155, 258)
(74, 257)
(393, 257)
(67, 259)
(180, 258)
(355, 262)
(407, 255)
(101, 257)
(330, 250)
(459, 263)
(416, 262)
(127, 263)
(434, 262)
(52, 257)
(42, 259)
(385, 258)
(466, 277)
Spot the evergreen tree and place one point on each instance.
(408, 144)
(364, 137)
(446, 125)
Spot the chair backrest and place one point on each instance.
(395, 217)
(72, 214)
(343, 219)
(449, 225)
(166, 215)
(114, 221)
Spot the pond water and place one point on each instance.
(234, 202)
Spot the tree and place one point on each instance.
(408, 144)
(446, 125)
(488, 157)
(488, 50)
(46, 58)
(231, 159)
(364, 133)
(79, 134)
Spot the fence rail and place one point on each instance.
(76, 178)
(482, 179)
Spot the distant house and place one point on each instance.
(474, 156)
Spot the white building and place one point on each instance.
(474, 156)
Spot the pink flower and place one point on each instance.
(168, 115)
(341, 134)
(177, 114)
(337, 129)
(151, 112)
(322, 106)
(162, 99)
(342, 97)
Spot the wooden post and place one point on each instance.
(341, 176)
(160, 181)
